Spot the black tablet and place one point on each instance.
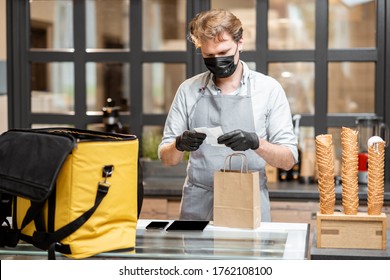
(187, 225)
(157, 225)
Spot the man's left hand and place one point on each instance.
(239, 140)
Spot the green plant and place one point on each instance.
(150, 142)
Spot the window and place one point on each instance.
(161, 81)
(164, 25)
(291, 24)
(69, 56)
(107, 24)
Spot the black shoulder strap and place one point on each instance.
(44, 240)
(50, 240)
(8, 236)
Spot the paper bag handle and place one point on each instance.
(243, 159)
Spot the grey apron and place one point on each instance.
(230, 112)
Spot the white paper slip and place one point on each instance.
(212, 134)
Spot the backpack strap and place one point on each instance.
(51, 241)
(8, 236)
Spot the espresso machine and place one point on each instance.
(367, 127)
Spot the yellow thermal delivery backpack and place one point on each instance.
(75, 190)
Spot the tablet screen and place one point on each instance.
(157, 225)
(187, 225)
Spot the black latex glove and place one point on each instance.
(189, 141)
(240, 140)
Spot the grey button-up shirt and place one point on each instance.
(271, 111)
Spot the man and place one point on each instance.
(251, 108)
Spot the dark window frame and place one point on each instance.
(19, 57)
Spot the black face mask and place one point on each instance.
(221, 67)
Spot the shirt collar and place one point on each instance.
(245, 73)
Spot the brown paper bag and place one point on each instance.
(237, 196)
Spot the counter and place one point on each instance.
(167, 182)
(156, 187)
(269, 241)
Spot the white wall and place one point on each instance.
(3, 58)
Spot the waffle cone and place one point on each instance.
(349, 174)
(375, 184)
(325, 170)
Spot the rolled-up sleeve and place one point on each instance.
(181, 109)
(176, 121)
(280, 128)
(272, 114)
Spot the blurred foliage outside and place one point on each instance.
(150, 141)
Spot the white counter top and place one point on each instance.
(269, 241)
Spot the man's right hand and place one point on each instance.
(189, 141)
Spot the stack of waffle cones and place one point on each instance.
(325, 168)
(349, 175)
(375, 194)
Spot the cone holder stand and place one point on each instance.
(360, 231)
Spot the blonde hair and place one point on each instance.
(211, 25)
